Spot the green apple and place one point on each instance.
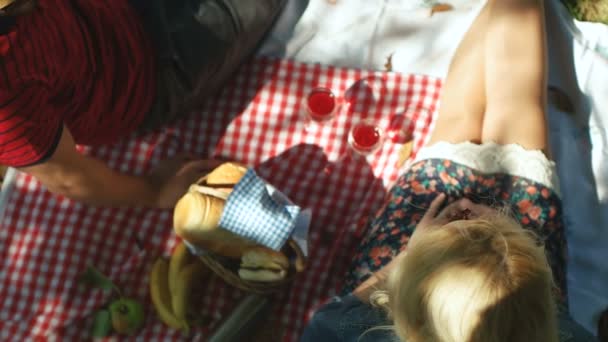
(127, 316)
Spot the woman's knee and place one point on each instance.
(523, 126)
(457, 128)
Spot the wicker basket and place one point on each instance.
(227, 268)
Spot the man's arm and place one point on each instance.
(67, 172)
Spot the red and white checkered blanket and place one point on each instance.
(46, 241)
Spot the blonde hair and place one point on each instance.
(484, 280)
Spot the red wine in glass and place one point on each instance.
(366, 137)
(321, 104)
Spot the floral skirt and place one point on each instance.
(530, 192)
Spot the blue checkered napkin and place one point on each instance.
(254, 213)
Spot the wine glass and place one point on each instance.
(321, 105)
(366, 137)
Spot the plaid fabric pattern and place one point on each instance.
(47, 240)
(252, 213)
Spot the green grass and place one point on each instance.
(588, 10)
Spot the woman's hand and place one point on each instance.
(462, 209)
(430, 217)
(172, 178)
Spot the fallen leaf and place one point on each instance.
(441, 8)
(405, 152)
(388, 66)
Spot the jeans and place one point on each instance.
(348, 319)
(199, 45)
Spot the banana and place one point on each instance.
(179, 259)
(185, 280)
(161, 298)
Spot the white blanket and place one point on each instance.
(363, 33)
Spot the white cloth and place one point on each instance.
(252, 212)
(363, 34)
(492, 158)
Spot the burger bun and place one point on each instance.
(264, 265)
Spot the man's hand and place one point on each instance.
(172, 177)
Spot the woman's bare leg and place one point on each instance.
(515, 70)
(463, 99)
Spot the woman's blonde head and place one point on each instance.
(476, 280)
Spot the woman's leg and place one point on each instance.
(463, 99)
(515, 74)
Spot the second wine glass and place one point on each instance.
(366, 137)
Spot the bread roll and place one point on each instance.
(196, 216)
(265, 258)
(261, 275)
(196, 219)
(264, 265)
(197, 212)
(226, 174)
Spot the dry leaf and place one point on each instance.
(441, 8)
(405, 152)
(3, 170)
(388, 66)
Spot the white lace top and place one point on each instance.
(491, 157)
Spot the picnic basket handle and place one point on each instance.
(301, 261)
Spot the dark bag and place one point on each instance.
(201, 43)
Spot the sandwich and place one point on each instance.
(197, 214)
(263, 265)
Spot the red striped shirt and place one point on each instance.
(85, 64)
